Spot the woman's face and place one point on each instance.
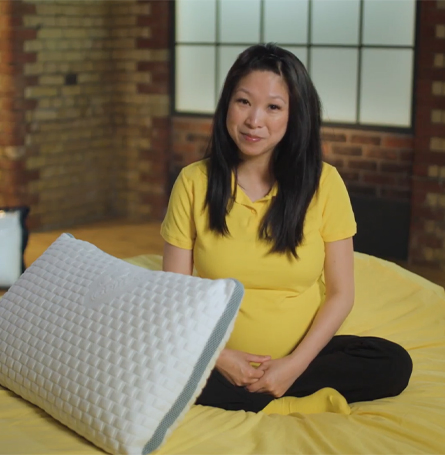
(258, 114)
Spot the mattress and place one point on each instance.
(390, 302)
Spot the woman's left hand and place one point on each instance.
(278, 376)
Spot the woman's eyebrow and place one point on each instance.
(270, 96)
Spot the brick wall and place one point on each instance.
(85, 131)
(372, 163)
(14, 176)
(90, 103)
(427, 243)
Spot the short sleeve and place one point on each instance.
(338, 221)
(178, 227)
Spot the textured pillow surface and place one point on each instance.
(115, 352)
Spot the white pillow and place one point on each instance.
(10, 247)
(115, 352)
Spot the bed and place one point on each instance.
(390, 302)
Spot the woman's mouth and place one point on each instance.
(250, 138)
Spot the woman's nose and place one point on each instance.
(254, 118)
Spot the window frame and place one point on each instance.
(309, 45)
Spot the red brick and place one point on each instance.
(423, 91)
(14, 69)
(18, 189)
(24, 34)
(428, 240)
(433, 15)
(10, 21)
(349, 176)
(190, 124)
(346, 150)
(428, 72)
(32, 81)
(380, 153)
(143, 43)
(160, 11)
(12, 165)
(30, 105)
(359, 139)
(5, 8)
(378, 179)
(13, 139)
(428, 186)
(193, 137)
(160, 39)
(153, 154)
(159, 89)
(332, 137)
(21, 8)
(144, 21)
(437, 103)
(25, 57)
(14, 200)
(184, 148)
(161, 123)
(147, 66)
(396, 167)
(421, 145)
(15, 178)
(406, 155)
(398, 142)
(160, 145)
(429, 214)
(363, 164)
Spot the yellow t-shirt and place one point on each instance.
(282, 294)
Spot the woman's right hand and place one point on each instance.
(236, 366)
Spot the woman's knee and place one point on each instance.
(403, 367)
(399, 369)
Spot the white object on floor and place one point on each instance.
(10, 248)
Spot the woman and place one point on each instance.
(263, 208)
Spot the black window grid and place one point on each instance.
(308, 45)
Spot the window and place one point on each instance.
(359, 53)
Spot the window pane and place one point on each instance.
(300, 52)
(335, 21)
(196, 21)
(239, 21)
(285, 21)
(386, 87)
(334, 72)
(226, 57)
(195, 78)
(389, 22)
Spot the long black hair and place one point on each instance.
(296, 161)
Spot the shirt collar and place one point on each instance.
(242, 198)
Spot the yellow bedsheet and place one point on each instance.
(390, 302)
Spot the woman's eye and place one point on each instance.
(242, 101)
(274, 107)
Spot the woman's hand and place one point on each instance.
(236, 366)
(279, 375)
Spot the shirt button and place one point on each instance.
(253, 211)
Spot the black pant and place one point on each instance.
(360, 368)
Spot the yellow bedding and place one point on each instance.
(390, 302)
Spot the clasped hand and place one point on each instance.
(271, 376)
